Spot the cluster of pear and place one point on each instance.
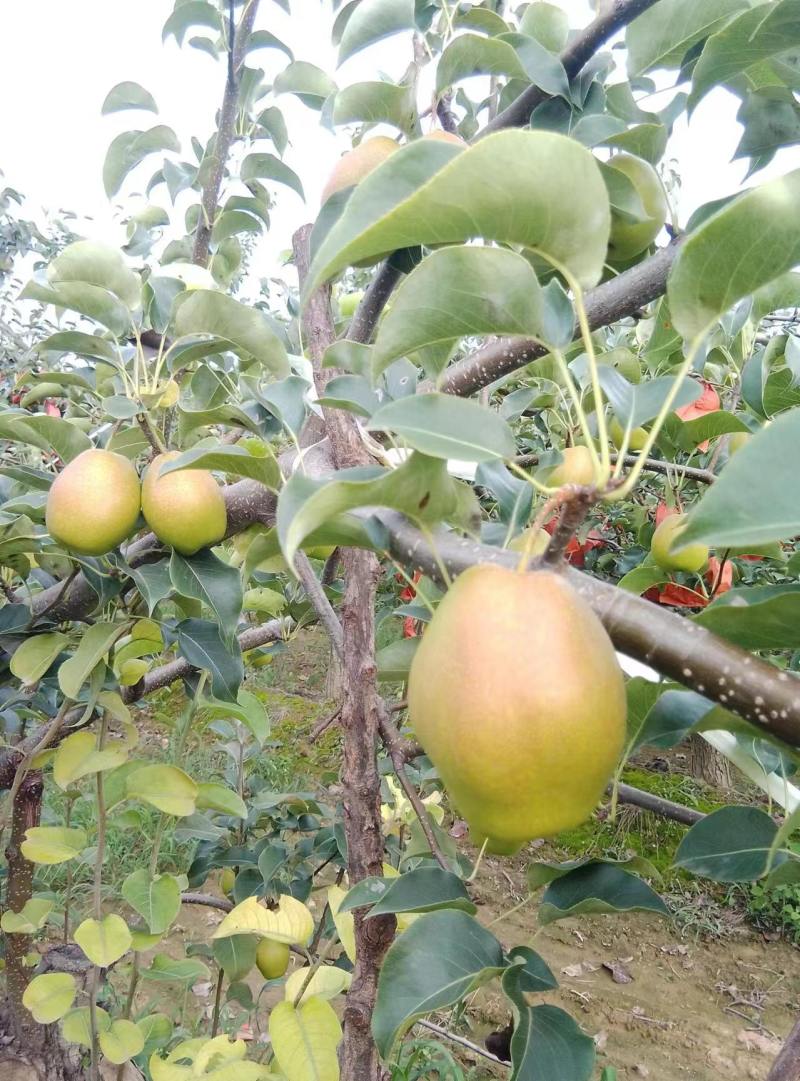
(94, 504)
(516, 694)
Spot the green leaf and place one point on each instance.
(756, 617)
(218, 797)
(473, 54)
(460, 956)
(443, 426)
(310, 83)
(165, 969)
(531, 973)
(83, 345)
(305, 1039)
(763, 32)
(425, 889)
(190, 13)
(553, 198)
(547, 1044)
(738, 250)
(97, 640)
(756, 499)
(30, 918)
(648, 141)
(235, 955)
(351, 392)
(52, 844)
(156, 899)
(200, 642)
(248, 709)
(206, 578)
(76, 1026)
(273, 122)
(461, 291)
(376, 103)
(238, 461)
(128, 95)
(89, 300)
(268, 167)
(663, 35)
(45, 432)
(103, 941)
(165, 787)
(31, 659)
(548, 23)
(205, 311)
(420, 488)
(394, 660)
(96, 264)
(49, 996)
(730, 845)
(121, 1041)
(78, 756)
(597, 888)
(129, 149)
(372, 21)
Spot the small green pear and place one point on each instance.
(521, 710)
(576, 468)
(185, 509)
(637, 441)
(630, 238)
(93, 504)
(227, 880)
(272, 958)
(737, 441)
(692, 558)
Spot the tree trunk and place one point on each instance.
(786, 1066)
(706, 764)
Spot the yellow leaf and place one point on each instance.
(31, 917)
(76, 1026)
(327, 982)
(77, 756)
(52, 844)
(165, 787)
(305, 1040)
(121, 1041)
(290, 922)
(217, 1059)
(344, 922)
(104, 941)
(50, 996)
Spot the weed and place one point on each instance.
(775, 908)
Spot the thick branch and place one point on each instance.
(675, 646)
(613, 300)
(786, 1066)
(373, 302)
(665, 808)
(578, 53)
(224, 136)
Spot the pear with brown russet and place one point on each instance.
(516, 694)
(186, 508)
(357, 163)
(93, 504)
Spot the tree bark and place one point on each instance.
(786, 1066)
(360, 709)
(707, 764)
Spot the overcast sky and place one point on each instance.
(58, 60)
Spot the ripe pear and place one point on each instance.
(576, 468)
(358, 163)
(185, 510)
(692, 558)
(516, 694)
(93, 504)
(637, 440)
(445, 137)
(272, 958)
(630, 238)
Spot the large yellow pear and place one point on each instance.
(516, 694)
(630, 238)
(93, 504)
(185, 509)
(353, 166)
(272, 958)
(576, 468)
(692, 558)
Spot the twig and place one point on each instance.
(575, 507)
(319, 602)
(574, 57)
(59, 597)
(22, 769)
(462, 1040)
(394, 745)
(323, 726)
(222, 903)
(657, 805)
(149, 433)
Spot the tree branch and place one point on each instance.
(679, 649)
(665, 808)
(652, 465)
(224, 135)
(575, 56)
(786, 1066)
(613, 300)
(373, 302)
